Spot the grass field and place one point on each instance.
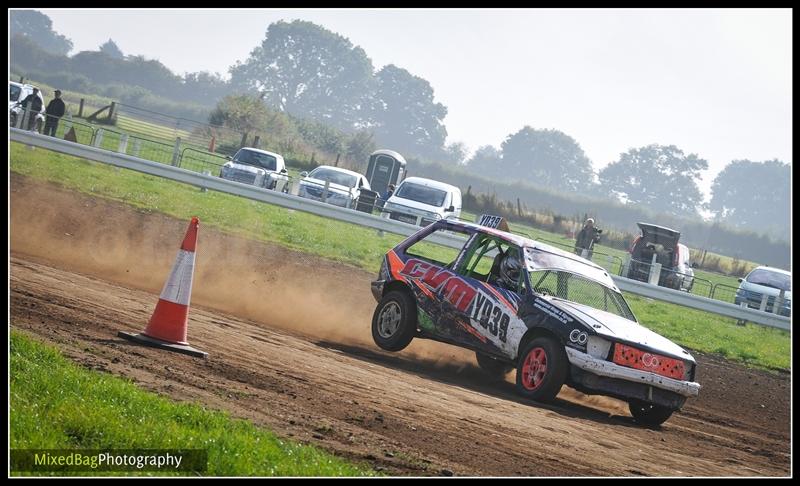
(361, 247)
(59, 405)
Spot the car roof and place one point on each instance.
(266, 152)
(339, 169)
(569, 261)
(432, 183)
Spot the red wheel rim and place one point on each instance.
(534, 369)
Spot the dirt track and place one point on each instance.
(290, 349)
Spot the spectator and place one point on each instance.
(587, 237)
(388, 194)
(32, 105)
(55, 110)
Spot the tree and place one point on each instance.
(659, 177)
(485, 160)
(455, 153)
(547, 158)
(112, 50)
(308, 71)
(405, 117)
(360, 146)
(39, 28)
(754, 195)
(243, 113)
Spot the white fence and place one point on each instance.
(363, 219)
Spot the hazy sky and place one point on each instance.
(714, 82)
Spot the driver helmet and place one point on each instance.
(510, 268)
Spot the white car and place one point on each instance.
(333, 185)
(257, 167)
(16, 93)
(766, 281)
(423, 201)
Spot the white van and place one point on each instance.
(423, 201)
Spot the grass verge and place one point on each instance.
(362, 247)
(59, 405)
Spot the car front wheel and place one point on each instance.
(648, 413)
(542, 369)
(394, 322)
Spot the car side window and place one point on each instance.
(426, 249)
(484, 261)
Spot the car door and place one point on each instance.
(483, 325)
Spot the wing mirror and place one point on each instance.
(284, 171)
(229, 157)
(740, 280)
(451, 209)
(304, 173)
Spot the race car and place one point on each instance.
(519, 304)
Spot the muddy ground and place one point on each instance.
(290, 349)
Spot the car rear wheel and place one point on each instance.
(394, 322)
(492, 366)
(542, 369)
(648, 413)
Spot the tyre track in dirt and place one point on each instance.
(306, 367)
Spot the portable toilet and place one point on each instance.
(385, 167)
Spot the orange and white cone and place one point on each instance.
(169, 323)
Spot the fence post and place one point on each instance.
(204, 188)
(776, 307)
(763, 306)
(519, 209)
(98, 138)
(325, 191)
(244, 140)
(136, 146)
(80, 109)
(111, 110)
(176, 152)
(655, 271)
(123, 143)
(256, 141)
(22, 118)
(336, 164)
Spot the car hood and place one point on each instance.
(402, 204)
(337, 188)
(619, 328)
(246, 168)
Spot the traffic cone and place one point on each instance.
(168, 325)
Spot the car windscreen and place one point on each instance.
(334, 176)
(13, 92)
(537, 258)
(257, 159)
(766, 278)
(581, 290)
(422, 194)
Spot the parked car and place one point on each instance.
(676, 269)
(344, 186)
(517, 303)
(766, 281)
(16, 93)
(257, 167)
(424, 201)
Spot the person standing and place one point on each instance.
(55, 110)
(32, 105)
(587, 237)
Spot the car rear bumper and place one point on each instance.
(605, 368)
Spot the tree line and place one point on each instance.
(310, 73)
